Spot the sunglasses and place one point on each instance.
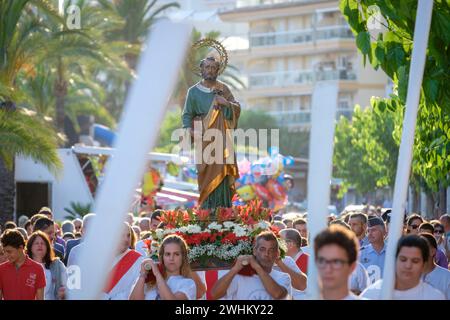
(414, 226)
(439, 231)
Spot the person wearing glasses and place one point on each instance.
(439, 233)
(413, 224)
(434, 275)
(440, 257)
(411, 257)
(336, 253)
(372, 256)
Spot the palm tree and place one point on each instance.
(79, 55)
(20, 133)
(138, 17)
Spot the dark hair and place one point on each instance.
(341, 223)
(49, 255)
(42, 224)
(157, 214)
(293, 235)
(277, 218)
(340, 236)
(202, 62)
(145, 235)
(415, 241)
(304, 242)
(437, 224)
(361, 216)
(430, 239)
(10, 225)
(413, 217)
(12, 238)
(37, 216)
(27, 224)
(267, 236)
(298, 221)
(45, 211)
(69, 235)
(427, 227)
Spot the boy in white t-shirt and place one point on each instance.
(266, 284)
(411, 256)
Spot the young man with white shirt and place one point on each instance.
(266, 284)
(336, 253)
(359, 279)
(411, 256)
(434, 275)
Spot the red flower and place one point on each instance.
(147, 243)
(229, 238)
(202, 214)
(225, 214)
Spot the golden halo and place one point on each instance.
(221, 55)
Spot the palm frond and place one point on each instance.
(21, 134)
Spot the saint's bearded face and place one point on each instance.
(210, 70)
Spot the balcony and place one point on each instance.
(299, 77)
(253, 3)
(291, 117)
(300, 36)
(302, 118)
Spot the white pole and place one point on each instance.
(320, 166)
(157, 72)
(421, 31)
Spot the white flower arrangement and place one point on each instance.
(224, 252)
(215, 226)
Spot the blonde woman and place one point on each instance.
(172, 277)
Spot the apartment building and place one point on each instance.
(294, 44)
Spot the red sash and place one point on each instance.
(302, 262)
(121, 268)
(211, 277)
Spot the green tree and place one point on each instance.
(391, 51)
(365, 151)
(20, 133)
(137, 16)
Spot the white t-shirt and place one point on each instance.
(290, 263)
(359, 279)
(306, 250)
(74, 255)
(176, 284)
(141, 248)
(439, 279)
(423, 291)
(123, 288)
(49, 291)
(252, 288)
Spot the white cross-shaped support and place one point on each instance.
(157, 71)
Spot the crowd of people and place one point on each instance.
(349, 256)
